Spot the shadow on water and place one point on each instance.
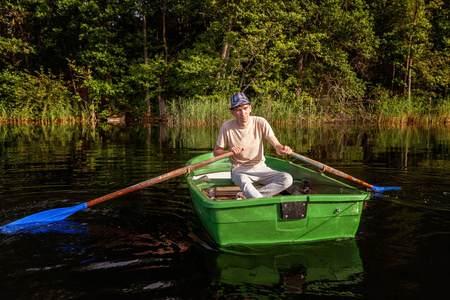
(141, 245)
(102, 261)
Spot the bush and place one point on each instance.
(29, 97)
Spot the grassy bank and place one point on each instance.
(53, 103)
(397, 110)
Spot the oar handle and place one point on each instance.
(331, 170)
(158, 179)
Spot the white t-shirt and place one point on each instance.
(249, 137)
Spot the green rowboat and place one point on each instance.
(319, 208)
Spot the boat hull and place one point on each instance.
(333, 209)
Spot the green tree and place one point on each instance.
(339, 43)
(282, 50)
(15, 36)
(412, 49)
(138, 54)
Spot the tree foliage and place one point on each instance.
(340, 56)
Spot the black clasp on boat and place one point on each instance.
(294, 210)
(306, 190)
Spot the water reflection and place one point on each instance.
(312, 268)
(139, 245)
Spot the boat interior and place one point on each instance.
(218, 186)
(235, 192)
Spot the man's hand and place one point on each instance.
(281, 150)
(219, 150)
(284, 150)
(237, 149)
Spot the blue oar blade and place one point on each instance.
(44, 217)
(379, 189)
(64, 226)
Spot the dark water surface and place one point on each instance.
(149, 245)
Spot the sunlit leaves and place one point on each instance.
(338, 54)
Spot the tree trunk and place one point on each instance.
(410, 55)
(225, 50)
(409, 79)
(162, 103)
(300, 64)
(93, 115)
(144, 31)
(408, 70)
(166, 51)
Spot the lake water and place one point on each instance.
(149, 245)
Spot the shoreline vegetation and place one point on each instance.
(396, 111)
(305, 61)
(393, 112)
(210, 113)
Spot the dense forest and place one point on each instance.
(71, 60)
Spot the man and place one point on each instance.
(244, 136)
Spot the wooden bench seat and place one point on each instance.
(222, 192)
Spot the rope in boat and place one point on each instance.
(337, 215)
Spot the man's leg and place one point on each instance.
(245, 182)
(273, 181)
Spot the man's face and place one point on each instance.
(242, 113)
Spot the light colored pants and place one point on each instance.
(273, 181)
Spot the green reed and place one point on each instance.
(195, 112)
(393, 110)
(398, 110)
(208, 111)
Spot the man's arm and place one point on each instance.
(281, 150)
(219, 150)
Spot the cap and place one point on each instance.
(238, 100)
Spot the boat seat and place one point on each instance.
(230, 192)
(222, 192)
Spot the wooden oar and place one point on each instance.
(58, 214)
(331, 170)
